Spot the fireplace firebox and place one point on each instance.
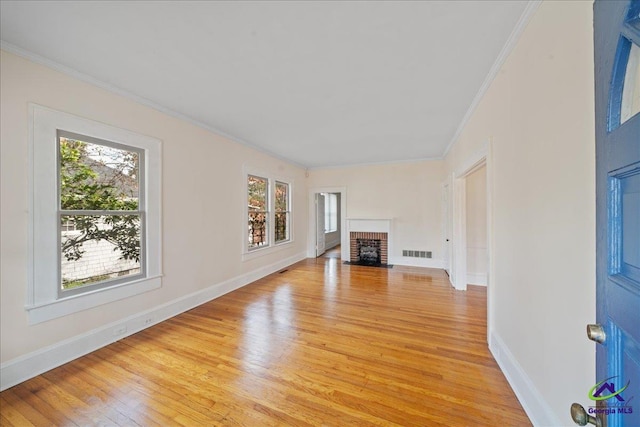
(368, 251)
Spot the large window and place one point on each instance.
(268, 211)
(101, 214)
(330, 212)
(95, 214)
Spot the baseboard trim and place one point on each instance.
(478, 279)
(532, 401)
(33, 364)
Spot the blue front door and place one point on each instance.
(617, 86)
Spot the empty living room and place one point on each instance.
(313, 213)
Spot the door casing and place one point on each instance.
(458, 215)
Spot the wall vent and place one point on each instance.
(416, 254)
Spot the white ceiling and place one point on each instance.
(317, 83)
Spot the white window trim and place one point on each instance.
(43, 302)
(272, 247)
(277, 181)
(268, 212)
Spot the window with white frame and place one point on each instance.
(268, 211)
(282, 212)
(101, 195)
(95, 214)
(330, 212)
(258, 211)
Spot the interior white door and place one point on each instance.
(320, 243)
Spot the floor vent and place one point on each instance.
(416, 254)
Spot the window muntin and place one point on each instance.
(258, 211)
(101, 223)
(282, 212)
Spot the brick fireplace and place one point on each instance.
(369, 248)
(376, 238)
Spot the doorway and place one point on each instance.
(332, 226)
(462, 182)
(333, 238)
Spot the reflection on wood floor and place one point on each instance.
(320, 344)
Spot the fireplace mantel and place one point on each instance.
(380, 225)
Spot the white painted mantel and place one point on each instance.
(376, 225)
(371, 225)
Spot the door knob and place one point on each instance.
(580, 416)
(596, 333)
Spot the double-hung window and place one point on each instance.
(95, 214)
(258, 207)
(268, 212)
(282, 212)
(101, 195)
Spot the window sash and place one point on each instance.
(110, 144)
(258, 237)
(62, 212)
(258, 223)
(107, 281)
(282, 220)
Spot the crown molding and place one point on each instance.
(38, 59)
(389, 162)
(527, 14)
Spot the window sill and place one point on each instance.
(257, 253)
(43, 312)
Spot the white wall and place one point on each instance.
(408, 193)
(538, 115)
(203, 223)
(476, 205)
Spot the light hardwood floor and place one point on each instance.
(319, 344)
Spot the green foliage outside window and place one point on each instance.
(99, 178)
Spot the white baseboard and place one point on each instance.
(478, 279)
(417, 262)
(30, 365)
(532, 401)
